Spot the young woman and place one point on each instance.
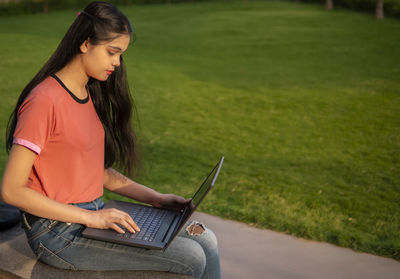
(71, 124)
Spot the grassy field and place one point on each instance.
(303, 103)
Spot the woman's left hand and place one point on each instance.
(171, 201)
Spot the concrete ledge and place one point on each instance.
(18, 261)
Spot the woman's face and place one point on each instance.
(99, 61)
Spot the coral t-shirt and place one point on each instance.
(68, 137)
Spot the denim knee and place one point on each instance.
(205, 237)
(189, 256)
(208, 241)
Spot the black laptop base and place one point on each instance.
(152, 235)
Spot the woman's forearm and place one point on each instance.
(39, 205)
(35, 203)
(120, 184)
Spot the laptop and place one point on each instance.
(158, 227)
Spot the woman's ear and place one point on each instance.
(84, 46)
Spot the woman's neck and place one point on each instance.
(74, 78)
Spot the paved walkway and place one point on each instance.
(253, 253)
(246, 253)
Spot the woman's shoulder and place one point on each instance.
(47, 92)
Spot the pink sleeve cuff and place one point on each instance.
(28, 145)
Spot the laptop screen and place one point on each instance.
(206, 186)
(198, 197)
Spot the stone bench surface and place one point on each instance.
(18, 261)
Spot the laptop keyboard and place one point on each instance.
(148, 219)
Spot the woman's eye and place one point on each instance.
(111, 53)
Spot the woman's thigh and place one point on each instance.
(62, 245)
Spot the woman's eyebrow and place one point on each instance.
(116, 48)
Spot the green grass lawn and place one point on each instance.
(303, 103)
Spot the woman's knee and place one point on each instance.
(189, 256)
(204, 236)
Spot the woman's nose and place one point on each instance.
(116, 61)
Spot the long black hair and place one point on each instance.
(99, 22)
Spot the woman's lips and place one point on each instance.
(109, 72)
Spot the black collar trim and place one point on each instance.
(81, 101)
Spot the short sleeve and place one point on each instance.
(35, 122)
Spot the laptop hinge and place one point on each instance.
(171, 229)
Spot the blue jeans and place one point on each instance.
(61, 245)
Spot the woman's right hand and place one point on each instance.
(110, 219)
